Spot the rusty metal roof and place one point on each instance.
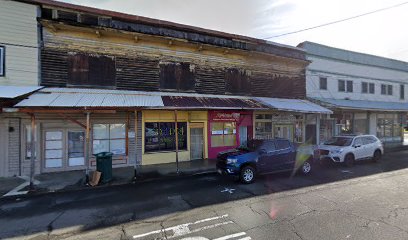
(211, 103)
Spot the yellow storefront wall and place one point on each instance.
(168, 116)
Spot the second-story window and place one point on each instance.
(237, 81)
(323, 83)
(2, 61)
(364, 87)
(372, 88)
(91, 70)
(386, 89)
(402, 91)
(345, 86)
(177, 76)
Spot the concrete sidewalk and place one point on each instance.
(76, 180)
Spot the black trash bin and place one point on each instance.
(104, 165)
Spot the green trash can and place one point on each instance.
(104, 165)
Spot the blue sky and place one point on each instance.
(384, 33)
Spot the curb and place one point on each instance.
(113, 184)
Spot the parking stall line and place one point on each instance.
(231, 236)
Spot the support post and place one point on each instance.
(318, 129)
(136, 136)
(87, 142)
(176, 132)
(32, 157)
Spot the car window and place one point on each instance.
(358, 141)
(282, 144)
(269, 146)
(368, 140)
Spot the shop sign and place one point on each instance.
(222, 116)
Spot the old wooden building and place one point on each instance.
(136, 86)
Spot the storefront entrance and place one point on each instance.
(63, 149)
(197, 142)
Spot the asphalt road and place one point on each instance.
(368, 201)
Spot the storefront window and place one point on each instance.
(161, 136)
(263, 130)
(76, 153)
(109, 138)
(360, 123)
(388, 127)
(223, 134)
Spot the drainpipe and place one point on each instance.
(87, 140)
(176, 132)
(32, 157)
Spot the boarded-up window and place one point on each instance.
(237, 82)
(86, 70)
(177, 76)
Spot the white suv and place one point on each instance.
(348, 149)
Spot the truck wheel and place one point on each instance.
(306, 167)
(247, 174)
(377, 156)
(349, 160)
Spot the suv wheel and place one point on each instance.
(306, 167)
(349, 160)
(377, 156)
(247, 174)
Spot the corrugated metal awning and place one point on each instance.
(52, 98)
(17, 91)
(293, 105)
(211, 103)
(363, 105)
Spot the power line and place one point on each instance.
(338, 21)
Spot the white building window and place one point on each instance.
(372, 88)
(386, 89)
(402, 91)
(345, 86)
(364, 87)
(323, 83)
(2, 61)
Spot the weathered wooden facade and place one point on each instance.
(203, 83)
(104, 50)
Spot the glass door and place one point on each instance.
(197, 143)
(53, 149)
(76, 148)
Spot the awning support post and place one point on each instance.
(32, 157)
(136, 162)
(176, 133)
(318, 129)
(87, 141)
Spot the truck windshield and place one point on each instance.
(339, 141)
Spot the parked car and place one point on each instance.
(262, 157)
(348, 149)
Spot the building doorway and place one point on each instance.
(196, 143)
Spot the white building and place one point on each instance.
(19, 75)
(367, 93)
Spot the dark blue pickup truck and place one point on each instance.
(262, 157)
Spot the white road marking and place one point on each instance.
(245, 238)
(230, 190)
(231, 236)
(183, 229)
